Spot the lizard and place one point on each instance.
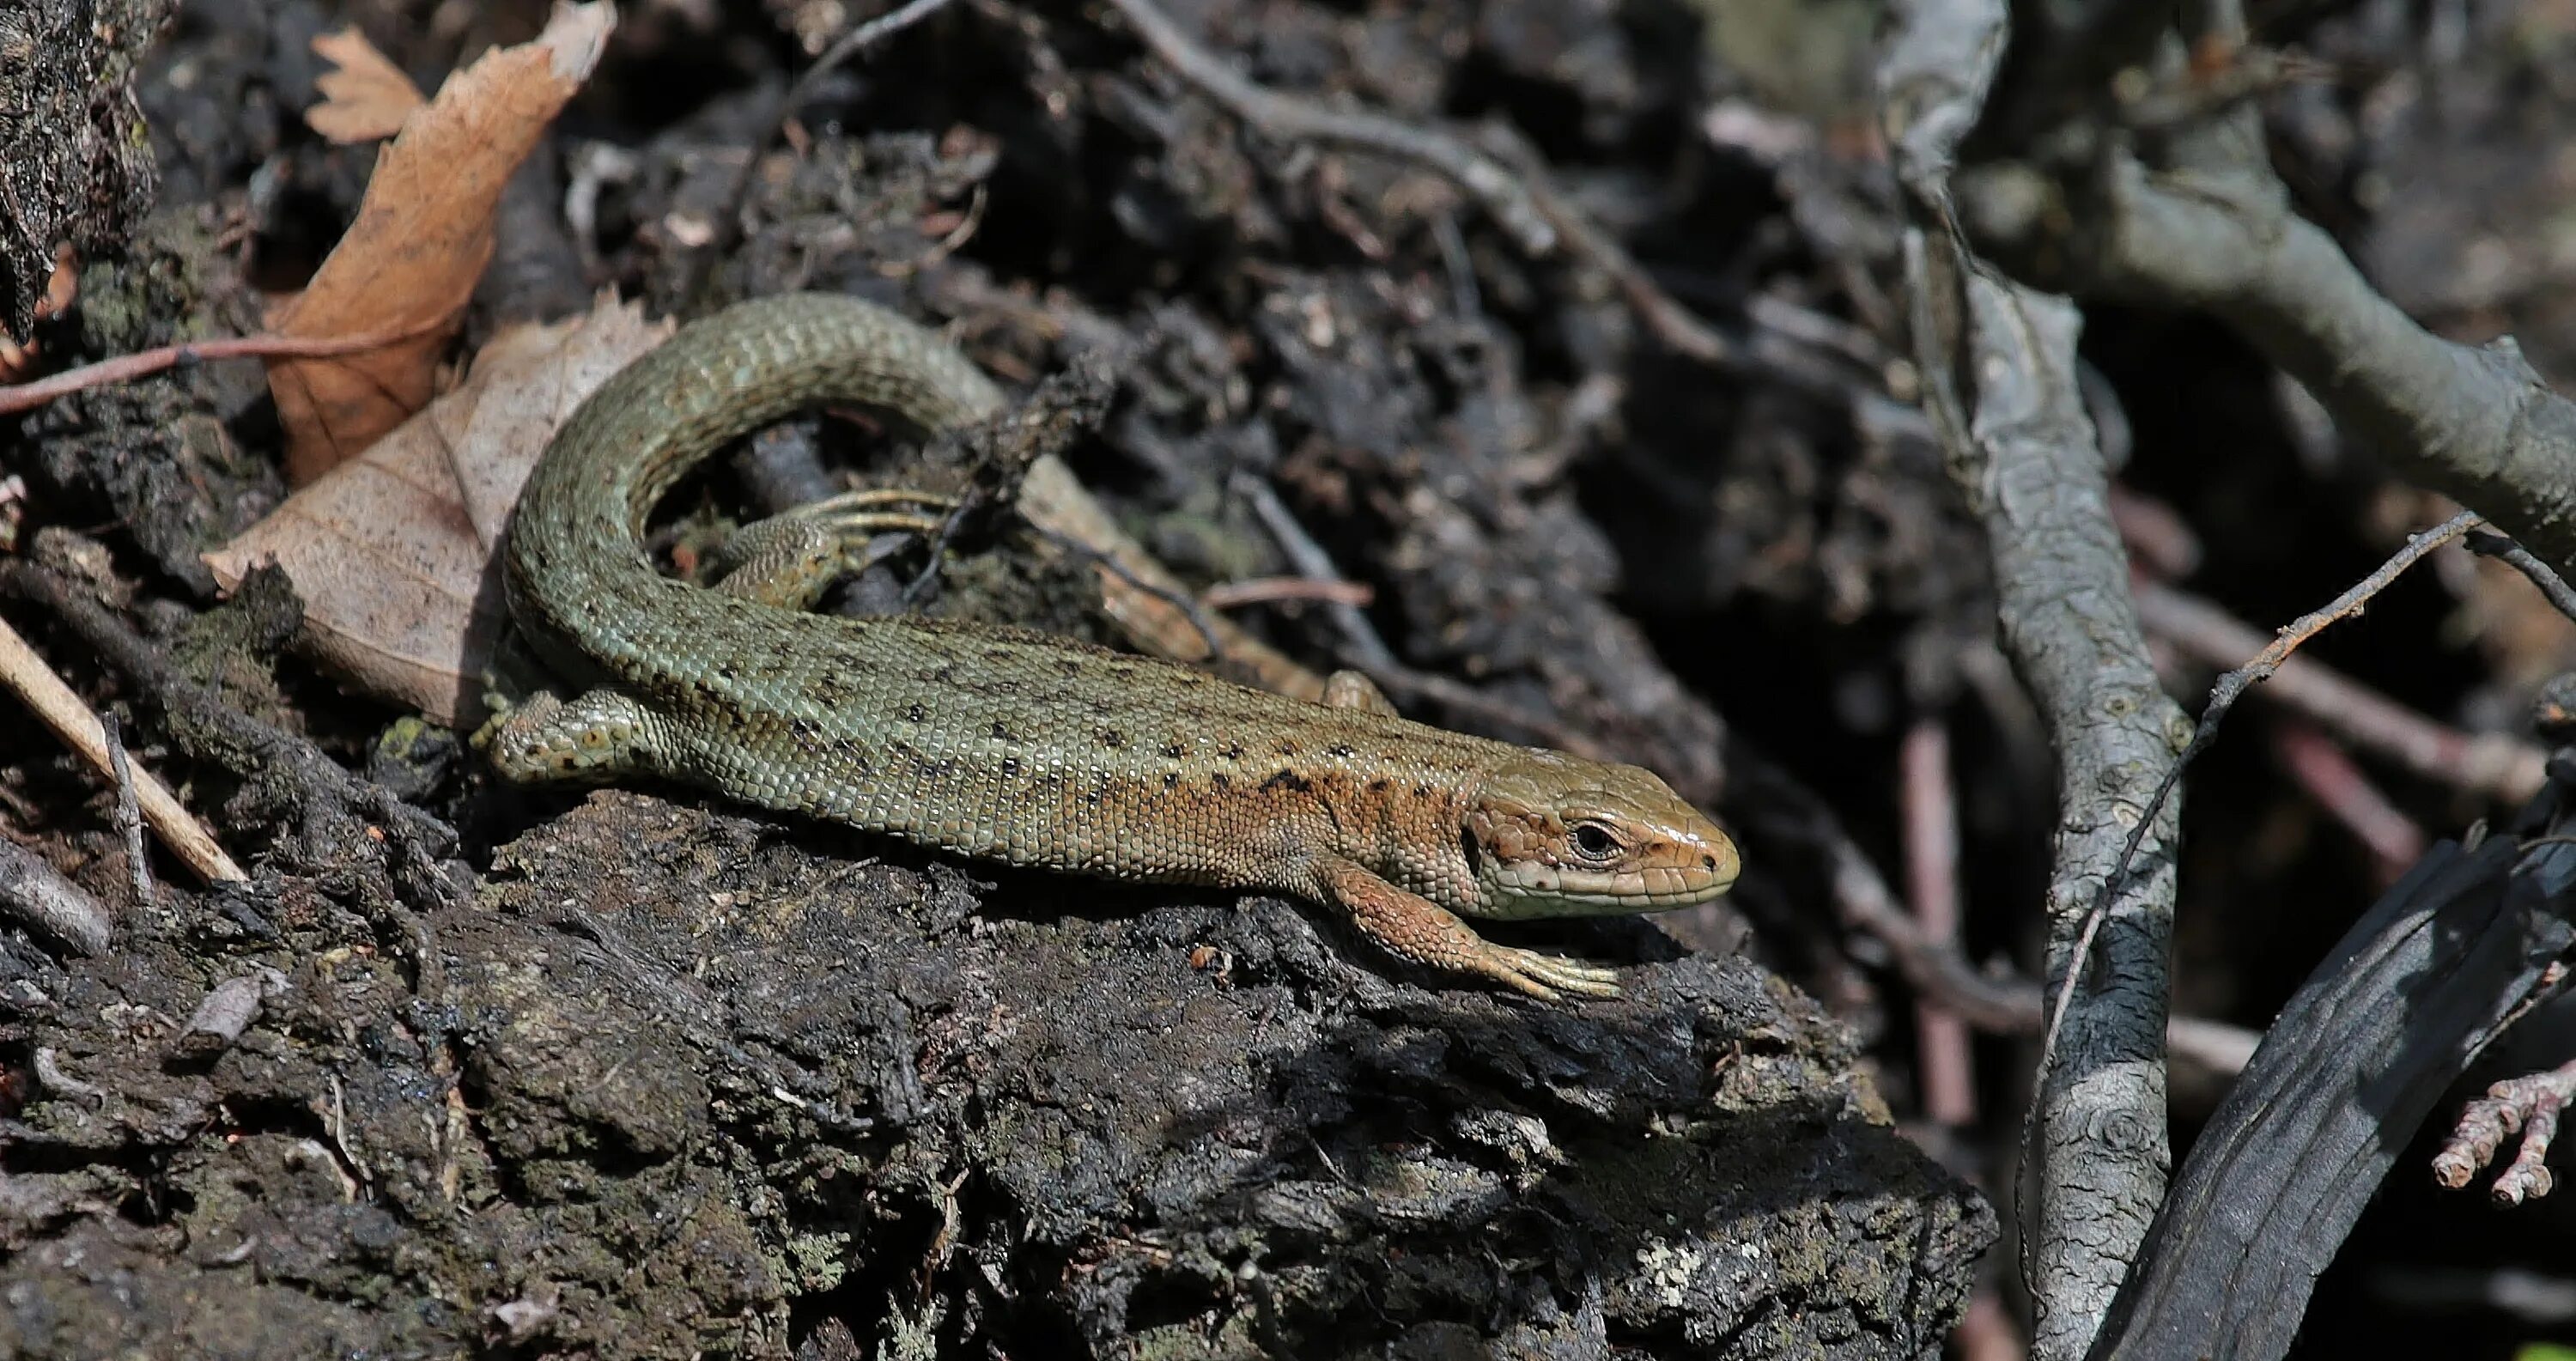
(1018, 746)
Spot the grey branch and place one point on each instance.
(2001, 384)
(2036, 476)
(2475, 423)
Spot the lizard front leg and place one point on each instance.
(1415, 928)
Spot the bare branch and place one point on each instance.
(2475, 423)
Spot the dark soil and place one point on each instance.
(647, 1075)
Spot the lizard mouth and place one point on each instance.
(1533, 888)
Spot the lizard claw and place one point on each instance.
(1547, 976)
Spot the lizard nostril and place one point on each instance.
(1708, 862)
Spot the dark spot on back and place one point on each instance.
(995, 654)
(1422, 791)
(1288, 780)
(1340, 751)
(1175, 750)
(1112, 738)
(1217, 780)
(1068, 666)
(914, 713)
(1010, 765)
(1002, 732)
(1377, 786)
(1232, 751)
(1171, 778)
(1287, 748)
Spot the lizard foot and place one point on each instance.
(1413, 927)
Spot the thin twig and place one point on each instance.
(2552, 586)
(1228, 595)
(2343, 790)
(1406, 681)
(129, 817)
(2223, 696)
(36, 895)
(2497, 765)
(1488, 181)
(1930, 818)
(851, 44)
(1108, 562)
(46, 693)
(127, 368)
(2529, 1105)
(1311, 559)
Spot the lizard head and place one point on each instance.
(1550, 835)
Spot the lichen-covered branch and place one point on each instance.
(2038, 482)
(2475, 423)
(2000, 378)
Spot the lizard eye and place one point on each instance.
(1593, 841)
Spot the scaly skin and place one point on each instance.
(1020, 746)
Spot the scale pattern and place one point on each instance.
(1002, 743)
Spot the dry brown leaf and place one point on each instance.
(393, 551)
(423, 235)
(366, 98)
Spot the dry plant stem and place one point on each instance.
(2232, 685)
(2343, 790)
(852, 43)
(129, 817)
(1996, 1003)
(2491, 764)
(2527, 1104)
(2553, 587)
(1423, 685)
(1142, 596)
(1491, 184)
(1932, 883)
(346, 810)
(1232, 595)
(126, 368)
(27, 674)
(37, 896)
(1311, 559)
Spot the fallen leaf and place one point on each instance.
(365, 98)
(422, 237)
(393, 551)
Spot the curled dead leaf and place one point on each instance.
(365, 98)
(422, 237)
(393, 550)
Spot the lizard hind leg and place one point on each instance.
(596, 738)
(1352, 690)
(1414, 928)
(789, 560)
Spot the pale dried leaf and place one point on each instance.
(365, 98)
(393, 550)
(422, 237)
